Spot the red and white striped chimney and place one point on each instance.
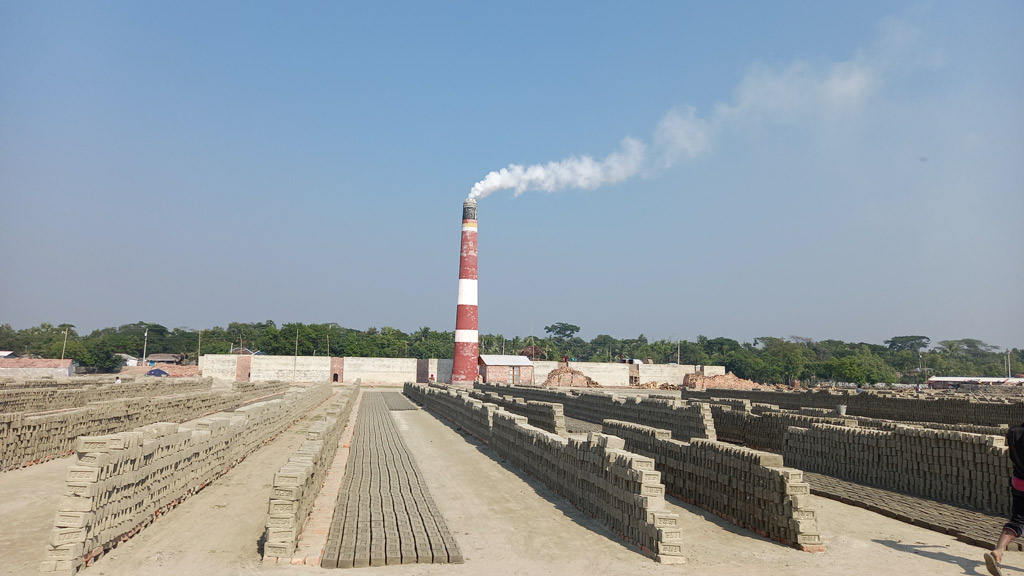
(467, 347)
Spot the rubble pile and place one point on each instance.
(728, 381)
(565, 377)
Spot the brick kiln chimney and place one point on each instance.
(467, 347)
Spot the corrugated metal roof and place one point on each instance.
(505, 360)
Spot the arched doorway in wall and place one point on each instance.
(335, 377)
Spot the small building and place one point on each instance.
(154, 359)
(36, 368)
(505, 369)
(127, 359)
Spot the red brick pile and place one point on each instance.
(567, 377)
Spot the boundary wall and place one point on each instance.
(596, 475)
(685, 420)
(751, 489)
(955, 467)
(547, 416)
(120, 483)
(298, 482)
(960, 409)
(30, 438)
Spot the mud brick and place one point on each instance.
(72, 519)
(82, 474)
(283, 507)
(65, 552)
(65, 536)
(278, 550)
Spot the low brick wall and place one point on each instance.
(955, 467)
(547, 416)
(27, 438)
(685, 420)
(749, 488)
(298, 482)
(596, 475)
(122, 482)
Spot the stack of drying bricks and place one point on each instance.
(31, 438)
(32, 399)
(765, 427)
(544, 415)
(949, 466)
(749, 488)
(120, 483)
(1001, 430)
(456, 406)
(595, 475)
(598, 476)
(686, 420)
(949, 409)
(298, 482)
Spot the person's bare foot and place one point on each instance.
(992, 561)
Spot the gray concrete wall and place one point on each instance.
(291, 368)
(441, 368)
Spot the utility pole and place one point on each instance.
(199, 351)
(328, 343)
(1008, 375)
(65, 347)
(145, 343)
(295, 361)
(679, 356)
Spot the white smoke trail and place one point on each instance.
(819, 95)
(576, 172)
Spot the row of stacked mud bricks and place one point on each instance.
(121, 482)
(684, 420)
(547, 416)
(960, 463)
(619, 488)
(950, 466)
(27, 438)
(948, 409)
(73, 393)
(749, 488)
(298, 482)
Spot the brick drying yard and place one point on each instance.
(502, 482)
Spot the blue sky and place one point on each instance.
(847, 170)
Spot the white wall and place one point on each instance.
(219, 366)
(665, 373)
(290, 368)
(382, 370)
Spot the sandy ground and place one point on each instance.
(505, 523)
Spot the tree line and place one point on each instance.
(769, 359)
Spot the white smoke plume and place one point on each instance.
(799, 93)
(575, 172)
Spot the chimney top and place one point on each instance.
(469, 209)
